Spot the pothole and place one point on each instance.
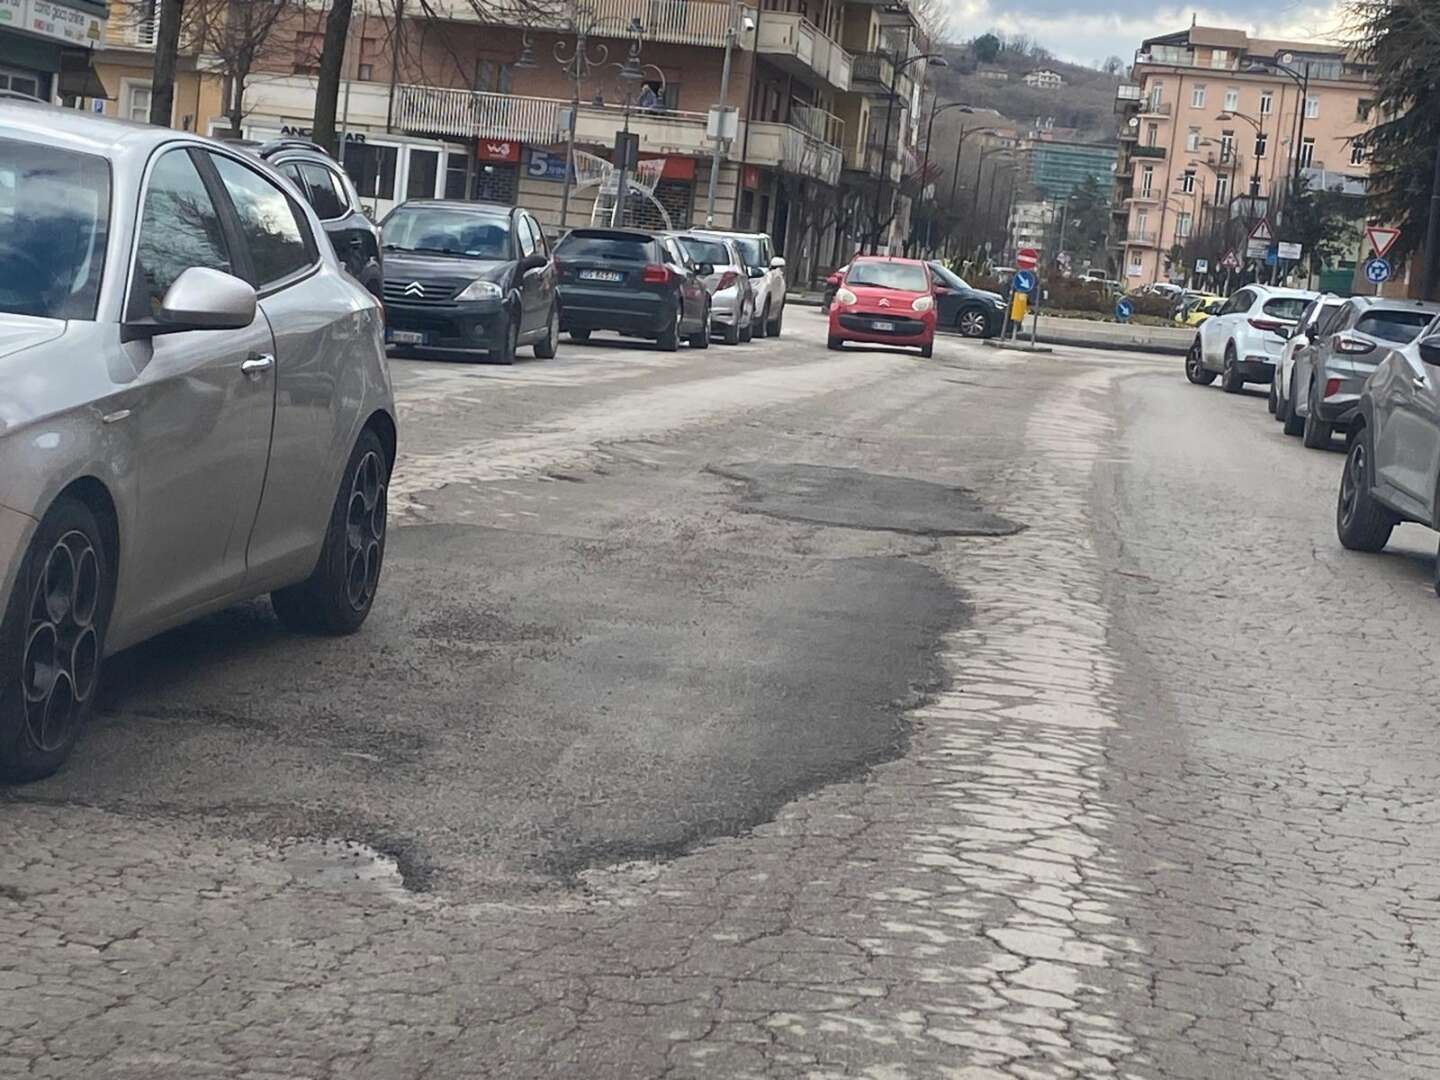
(341, 865)
(853, 499)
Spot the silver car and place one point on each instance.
(1392, 470)
(1298, 340)
(766, 271)
(1329, 373)
(194, 408)
(732, 297)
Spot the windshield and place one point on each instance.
(445, 230)
(54, 218)
(706, 251)
(1401, 327)
(947, 276)
(906, 277)
(749, 251)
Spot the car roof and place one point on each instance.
(492, 209)
(1386, 303)
(83, 132)
(604, 232)
(887, 259)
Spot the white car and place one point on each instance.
(767, 275)
(1243, 341)
(1307, 331)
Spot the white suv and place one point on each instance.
(1242, 342)
(767, 276)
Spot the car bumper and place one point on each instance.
(726, 307)
(646, 314)
(857, 327)
(1341, 406)
(1256, 369)
(479, 327)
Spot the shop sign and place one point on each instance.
(546, 165)
(54, 20)
(498, 150)
(297, 132)
(12, 14)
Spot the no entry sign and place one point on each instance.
(1027, 259)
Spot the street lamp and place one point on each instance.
(979, 167)
(1259, 126)
(1302, 82)
(935, 110)
(895, 69)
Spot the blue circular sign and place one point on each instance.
(1024, 281)
(1378, 271)
(1123, 310)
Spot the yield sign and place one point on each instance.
(1382, 239)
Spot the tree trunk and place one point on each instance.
(332, 59)
(236, 110)
(167, 51)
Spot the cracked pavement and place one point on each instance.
(644, 769)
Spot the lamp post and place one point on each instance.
(975, 195)
(632, 71)
(1297, 128)
(1259, 126)
(731, 32)
(895, 71)
(935, 109)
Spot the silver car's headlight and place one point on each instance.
(480, 290)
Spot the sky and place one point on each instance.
(1083, 31)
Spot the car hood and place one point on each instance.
(407, 266)
(20, 332)
(981, 294)
(869, 297)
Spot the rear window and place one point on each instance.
(583, 245)
(886, 275)
(705, 251)
(1289, 308)
(1401, 327)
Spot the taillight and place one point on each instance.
(655, 274)
(1353, 346)
(727, 279)
(1332, 387)
(1266, 324)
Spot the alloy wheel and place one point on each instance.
(1352, 482)
(365, 531)
(61, 660)
(972, 324)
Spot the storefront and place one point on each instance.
(46, 47)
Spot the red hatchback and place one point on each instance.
(885, 302)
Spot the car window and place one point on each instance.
(269, 223)
(1400, 327)
(706, 251)
(54, 221)
(326, 192)
(906, 277)
(673, 254)
(525, 236)
(751, 252)
(947, 276)
(291, 172)
(583, 244)
(1285, 307)
(1330, 320)
(541, 244)
(448, 230)
(179, 228)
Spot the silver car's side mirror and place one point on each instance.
(777, 263)
(205, 299)
(1430, 350)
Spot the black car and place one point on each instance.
(469, 277)
(973, 312)
(638, 283)
(354, 236)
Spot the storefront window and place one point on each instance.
(423, 166)
(497, 181)
(372, 168)
(21, 82)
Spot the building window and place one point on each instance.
(1222, 190)
(136, 103)
(1267, 102)
(371, 167)
(1192, 140)
(1187, 182)
(1152, 133)
(1262, 142)
(1157, 93)
(1197, 97)
(1182, 225)
(1307, 153)
(1363, 108)
(1357, 153)
(1220, 59)
(1232, 99)
(308, 47)
(1142, 223)
(1312, 108)
(497, 181)
(1147, 179)
(366, 72)
(1227, 147)
(1137, 263)
(20, 82)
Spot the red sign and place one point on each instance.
(1027, 259)
(497, 150)
(676, 168)
(1382, 239)
(750, 177)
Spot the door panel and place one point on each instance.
(1412, 428)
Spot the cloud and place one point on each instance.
(1083, 33)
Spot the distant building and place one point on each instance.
(1044, 79)
(1030, 224)
(992, 73)
(1058, 167)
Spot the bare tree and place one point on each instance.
(240, 34)
(332, 60)
(167, 55)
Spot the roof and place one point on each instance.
(888, 259)
(461, 204)
(83, 132)
(1221, 37)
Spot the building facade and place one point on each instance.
(1057, 167)
(1030, 225)
(1044, 79)
(1215, 126)
(48, 47)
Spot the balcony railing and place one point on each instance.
(866, 159)
(1155, 108)
(1145, 195)
(794, 150)
(1127, 92)
(679, 22)
(131, 33)
(795, 42)
(1155, 152)
(825, 126)
(1139, 238)
(876, 70)
(471, 114)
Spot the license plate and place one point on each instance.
(406, 337)
(878, 325)
(601, 275)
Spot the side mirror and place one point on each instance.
(199, 299)
(532, 262)
(1430, 350)
(705, 269)
(755, 271)
(777, 263)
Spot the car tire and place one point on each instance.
(927, 350)
(1195, 369)
(1230, 380)
(763, 325)
(701, 338)
(580, 337)
(505, 354)
(835, 343)
(972, 322)
(549, 345)
(52, 639)
(1282, 400)
(669, 340)
(747, 332)
(1437, 572)
(1271, 401)
(337, 596)
(1316, 431)
(772, 329)
(1361, 523)
(730, 335)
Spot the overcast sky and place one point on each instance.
(1084, 31)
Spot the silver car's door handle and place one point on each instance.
(257, 365)
(1419, 382)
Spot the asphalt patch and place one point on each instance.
(853, 499)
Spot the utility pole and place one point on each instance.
(1432, 233)
(720, 116)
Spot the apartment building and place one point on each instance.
(1057, 167)
(1044, 79)
(47, 47)
(1214, 125)
(1030, 225)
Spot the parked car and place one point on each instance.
(634, 282)
(1302, 340)
(196, 409)
(1329, 376)
(1195, 310)
(732, 297)
(470, 279)
(1392, 468)
(332, 195)
(1242, 341)
(885, 301)
(974, 312)
(1094, 274)
(767, 275)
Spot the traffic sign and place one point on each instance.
(1377, 271)
(1290, 252)
(1231, 261)
(1259, 242)
(1024, 281)
(1124, 309)
(1202, 266)
(1382, 239)
(1027, 258)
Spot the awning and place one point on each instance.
(78, 78)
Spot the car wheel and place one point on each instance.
(927, 350)
(763, 325)
(747, 332)
(336, 598)
(834, 343)
(973, 323)
(730, 335)
(1294, 422)
(505, 354)
(1361, 523)
(1316, 431)
(701, 338)
(52, 638)
(1282, 399)
(1230, 380)
(773, 329)
(1271, 403)
(580, 336)
(1437, 572)
(669, 340)
(1195, 369)
(549, 345)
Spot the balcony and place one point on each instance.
(792, 149)
(866, 159)
(1137, 238)
(1144, 196)
(796, 46)
(1128, 92)
(1156, 153)
(135, 32)
(873, 73)
(1156, 108)
(676, 22)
